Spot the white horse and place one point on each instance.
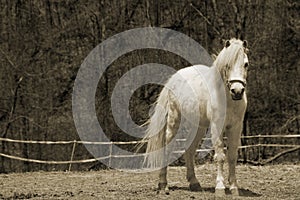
(201, 97)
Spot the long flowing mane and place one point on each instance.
(229, 56)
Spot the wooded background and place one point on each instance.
(43, 43)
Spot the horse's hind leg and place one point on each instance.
(173, 121)
(190, 159)
(234, 135)
(163, 185)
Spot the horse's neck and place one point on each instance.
(216, 75)
(219, 83)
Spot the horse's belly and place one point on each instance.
(196, 109)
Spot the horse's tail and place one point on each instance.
(155, 133)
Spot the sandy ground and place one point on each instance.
(256, 182)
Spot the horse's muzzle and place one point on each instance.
(237, 88)
(237, 93)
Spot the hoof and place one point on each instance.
(235, 192)
(167, 191)
(195, 187)
(220, 193)
(162, 187)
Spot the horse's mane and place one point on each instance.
(228, 56)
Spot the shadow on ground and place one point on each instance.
(243, 192)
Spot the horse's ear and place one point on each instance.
(227, 43)
(245, 44)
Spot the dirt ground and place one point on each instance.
(256, 182)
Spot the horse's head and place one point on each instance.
(233, 64)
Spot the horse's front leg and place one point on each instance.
(234, 135)
(219, 157)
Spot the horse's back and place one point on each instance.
(193, 71)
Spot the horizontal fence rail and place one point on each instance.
(65, 142)
(53, 162)
(132, 142)
(74, 142)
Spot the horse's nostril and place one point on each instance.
(237, 91)
(232, 91)
(242, 90)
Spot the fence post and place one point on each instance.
(110, 154)
(259, 149)
(245, 133)
(72, 154)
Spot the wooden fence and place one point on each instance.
(291, 148)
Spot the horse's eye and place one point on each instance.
(246, 64)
